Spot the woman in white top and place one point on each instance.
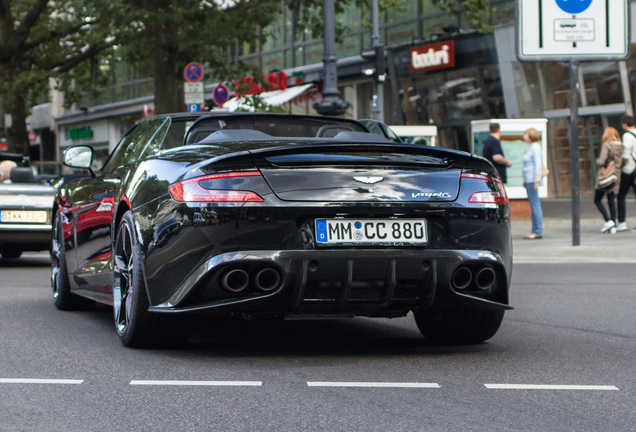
(628, 171)
(532, 167)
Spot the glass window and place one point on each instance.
(132, 145)
(602, 83)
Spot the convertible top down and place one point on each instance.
(263, 215)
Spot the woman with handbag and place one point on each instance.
(609, 176)
(532, 173)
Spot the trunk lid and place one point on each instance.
(362, 173)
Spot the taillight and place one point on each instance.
(192, 190)
(487, 197)
(492, 197)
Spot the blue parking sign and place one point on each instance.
(194, 107)
(573, 6)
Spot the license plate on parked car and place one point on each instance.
(341, 231)
(22, 216)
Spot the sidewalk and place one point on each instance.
(556, 244)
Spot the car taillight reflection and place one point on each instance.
(194, 190)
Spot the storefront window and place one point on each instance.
(602, 83)
(464, 86)
(631, 75)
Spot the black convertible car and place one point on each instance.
(265, 216)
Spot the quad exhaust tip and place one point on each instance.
(474, 278)
(267, 279)
(237, 280)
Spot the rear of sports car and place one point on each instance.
(339, 229)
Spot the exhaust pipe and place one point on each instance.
(462, 277)
(234, 281)
(267, 279)
(485, 278)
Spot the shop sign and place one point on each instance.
(438, 55)
(80, 133)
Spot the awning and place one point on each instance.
(273, 98)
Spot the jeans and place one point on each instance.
(611, 202)
(535, 208)
(627, 181)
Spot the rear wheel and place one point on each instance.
(458, 325)
(136, 326)
(63, 298)
(10, 253)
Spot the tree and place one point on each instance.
(43, 39)
(479, 12)
(168, 34)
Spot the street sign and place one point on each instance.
(561, 30)
(194, 107)
(193, 93)
(193, 72)
(194, 98)
(221, 94)
(193, 87)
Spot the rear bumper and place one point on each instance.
(26, 237)
(364, 282)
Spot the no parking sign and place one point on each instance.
(193, 72)
(221, 94)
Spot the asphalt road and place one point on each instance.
(565, 358)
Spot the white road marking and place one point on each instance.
(196, 383)
(372, 384)
(38, 381)
(548, 387)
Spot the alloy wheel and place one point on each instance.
(55, 256)
(123, 286)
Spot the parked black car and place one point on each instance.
(263, 215)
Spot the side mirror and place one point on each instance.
(80, 156)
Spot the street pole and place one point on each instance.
(574, 153)
(377, 84)
(331, 104)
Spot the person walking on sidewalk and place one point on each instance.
(493, 152)
(532, 167)
(628, 172)
(611, 150)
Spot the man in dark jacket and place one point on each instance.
(494, 153)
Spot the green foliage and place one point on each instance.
(44, 39)
(479, 12)
(193, 30)
(310, 15)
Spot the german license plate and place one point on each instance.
(366, 231)
(23, 216)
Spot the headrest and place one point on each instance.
(21, 175)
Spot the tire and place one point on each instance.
(135, 325)
(63, 298)
(13, 254)
(456, 325)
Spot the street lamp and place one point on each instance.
(331, 104)
(376, 55)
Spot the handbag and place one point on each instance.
(544, 172)
(606, 178)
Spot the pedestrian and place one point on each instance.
(611, 151)
(532, 171)
(5, 170)
(628, 170)
(494, 153)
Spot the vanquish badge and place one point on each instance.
(368, 180)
